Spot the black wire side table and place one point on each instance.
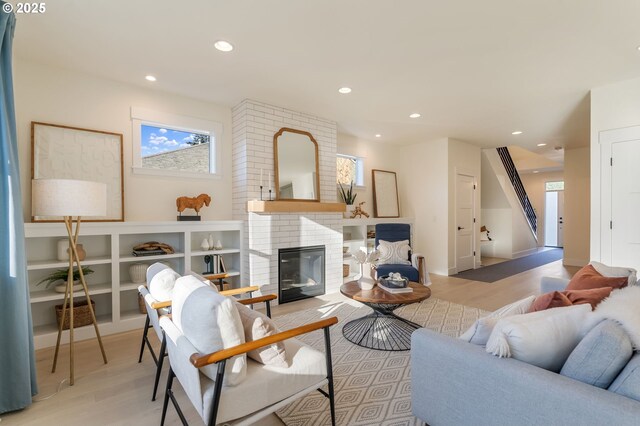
(382, 329)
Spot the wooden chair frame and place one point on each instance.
(220, 357)
(158, 359)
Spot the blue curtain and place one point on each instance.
(17, 361)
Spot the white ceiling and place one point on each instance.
(526, 161)
(475, 70)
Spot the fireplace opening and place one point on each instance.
(300, 273)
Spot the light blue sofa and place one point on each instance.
(458, 383)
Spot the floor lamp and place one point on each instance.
(70, 198)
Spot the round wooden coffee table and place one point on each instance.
(382, 329)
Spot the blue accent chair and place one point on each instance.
(417, 270)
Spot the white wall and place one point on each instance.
(376, 155)
(60, 96)
(521, 237)
(463, 158)
(612, 107)
(534, 184)
(576, 206)
(425, 193)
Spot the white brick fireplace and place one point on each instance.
(254, 124)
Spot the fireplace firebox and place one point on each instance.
(301, 273)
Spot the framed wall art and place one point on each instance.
(64, 152)
(385, 194)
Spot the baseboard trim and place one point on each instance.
(524, 253)
(452, 271)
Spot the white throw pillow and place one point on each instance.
(256, 326)
(479, 332)
(396, 253)
(210, 322)
(162, 284)
(203, 279)
(615, 271)
(623, 306)
(545, 338)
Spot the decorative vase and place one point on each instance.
(63, 246)
(210, 241)
(205, 244)
(350, 209)
(138, 273)
(365, 281)
(63, 250)
(218, 245)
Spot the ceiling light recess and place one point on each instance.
(378, 135)
(150, 78)
(542, 144)
(344, 90)
(223, 46)
(517, 132)
(414, 115)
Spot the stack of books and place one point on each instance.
(148, 252)
(394, 286)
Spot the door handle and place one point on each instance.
(460, 227)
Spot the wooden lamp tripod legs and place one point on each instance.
(68, 300)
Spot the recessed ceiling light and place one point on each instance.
(150, 78)
(344, 90)
(542, 144)
(536, 171)
(378, 135)
(414, 115)
(223, 46)
(517, 132)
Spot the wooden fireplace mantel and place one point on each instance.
(257, 206)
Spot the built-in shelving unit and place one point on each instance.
(354, 237)
(109, 254)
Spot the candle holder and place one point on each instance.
(261, 193)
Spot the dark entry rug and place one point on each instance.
(492, 273)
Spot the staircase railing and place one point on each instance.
(521, 193)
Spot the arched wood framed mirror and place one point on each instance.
(296, 165)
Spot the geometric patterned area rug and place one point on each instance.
(371, 387)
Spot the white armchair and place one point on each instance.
(156, 308)
(264, 389)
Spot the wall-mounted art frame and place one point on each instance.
(65, 152)
(385, 194)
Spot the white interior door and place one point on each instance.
(560, 218)
(625, 204)
(465, 258)
(553, 218)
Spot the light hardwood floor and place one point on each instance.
(119, 393)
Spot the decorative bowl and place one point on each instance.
(390, 283)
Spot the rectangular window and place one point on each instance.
(350, 169)
(554, 186)
(175, 145)
(171, 149)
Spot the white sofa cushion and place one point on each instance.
(545, 338)
(479, 332)
(394, 253)
(266, 384)
(162, 284)
(211, 322)
(256, 326)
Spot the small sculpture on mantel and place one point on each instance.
(359, 211)
(195, 203)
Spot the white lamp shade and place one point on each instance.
(67, 197)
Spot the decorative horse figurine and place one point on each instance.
(359, 212)
(195, 203)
